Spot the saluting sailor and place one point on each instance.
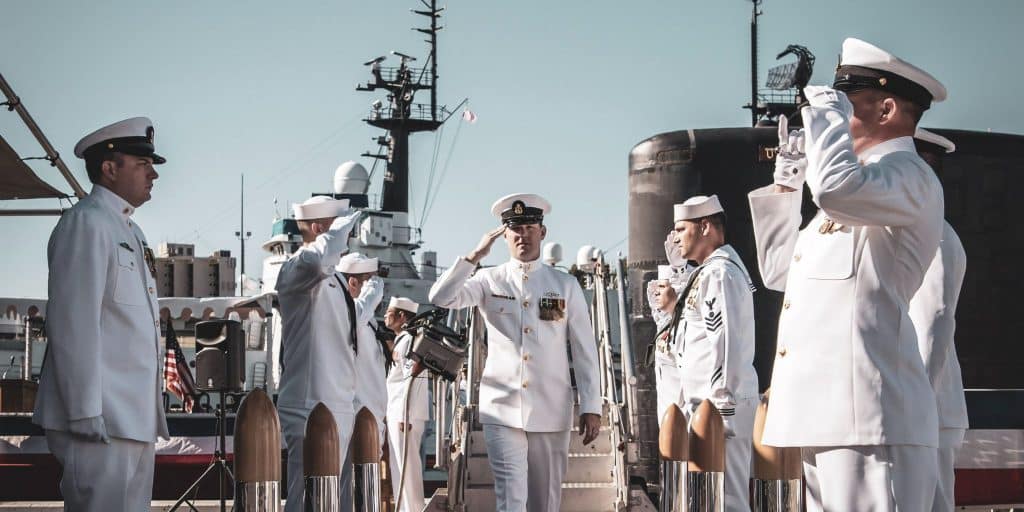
(526, 398)
(360, 274)
(933, 309)
(713, 326)
(848, 384)
(99, 391)
(403, 422)
(318, 334)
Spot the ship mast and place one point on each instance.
(400, 116)
(753, 106)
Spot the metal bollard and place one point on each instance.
(365, 449)
(257, 439)
(777, 472)
(674, 445)
(706, 477)
(321, 461)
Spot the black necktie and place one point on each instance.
(351, 313)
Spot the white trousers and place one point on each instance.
(103, 477)
(528, 467)
(737, 455)
(293, 428)
(412, 493)
(870, 478)
(666, 378)
(950, 440)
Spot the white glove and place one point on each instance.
(343, 225)
(672, 251)
(790, 160)
(91, 429)
(827, 97)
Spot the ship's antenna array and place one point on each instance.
(400, 115)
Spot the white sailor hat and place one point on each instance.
(319, 207)
(404, 304)
(865, 66)
(516, 209)
(357, 263)
(132, 136)
(931, 141)
(696, 207)
(665, 272)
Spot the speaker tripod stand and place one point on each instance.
(218, 465)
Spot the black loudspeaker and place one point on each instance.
(220, 355)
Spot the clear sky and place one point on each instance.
(562, 90)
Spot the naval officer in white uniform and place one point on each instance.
(318, 334)
(526, 399)
(404, 423)
(933, 310)
(848, 383)
(714, 337)
(99, 392)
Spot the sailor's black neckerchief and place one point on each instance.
(677, 312)
(351, 313)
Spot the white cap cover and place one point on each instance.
(319, 207)
(936, 139)
(696, 207)
(404, 304)
(356, 263)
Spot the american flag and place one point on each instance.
(177, 377)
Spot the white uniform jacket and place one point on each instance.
(371, 388)
(103, 324)
(531, 310)
(398, 382)
(317, 358)
(932, 310)
(714, 341)
(847, 369)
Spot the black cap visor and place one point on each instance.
(857, 78)
(138, 146)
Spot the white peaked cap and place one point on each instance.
(133, 136)
(866, 55)
(696, 207)
(934, 138)
(528, 200)
(404, 304)
(356, 263)
(319, 207)
(665, 272)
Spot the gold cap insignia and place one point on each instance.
(882, 81)
(518, 208)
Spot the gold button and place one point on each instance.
(526, 303)
(150, 290)
(526, 277)
(782, 352)
(524, 384)
(796, 257)
(526, 357)
(527, 330)
(785, 305)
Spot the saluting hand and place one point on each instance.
(590, 426)
(790, 159)
(484, 247)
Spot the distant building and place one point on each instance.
(179, 273)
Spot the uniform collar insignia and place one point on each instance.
(525, 267)
(112, 201)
